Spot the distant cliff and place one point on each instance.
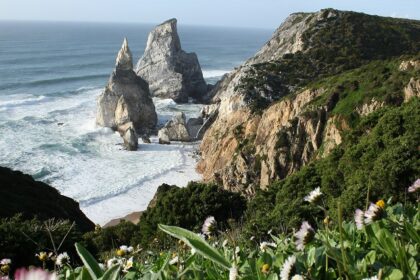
(20, 193)
(290, 104)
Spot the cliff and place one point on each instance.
(291, 102)
(20, 193)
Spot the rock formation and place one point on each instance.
(174, 130)
(412, 89)
(126, 99)
(170, 71)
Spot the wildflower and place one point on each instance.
(5, 261)
(112, 262)
(130, 249)
(297, 277)
(42, 256)
(380, 203)
(313, 196)
(5, 265)
(264, 245)
(358, 219)
(128, 264)
(233, 273)
(414, 187)
(193, 251)
(174, 260)
(287, 268)
(373, 213)
(237, 250)
(62, 259)
(304, 235)
(209, 226)
(124, 250)
(265, 268)
(34, 274)
(120, 252)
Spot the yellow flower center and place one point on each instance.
(265, 268)
(5, 268)
(120, 252)
(381, 203)
(42, 256)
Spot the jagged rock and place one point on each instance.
(126, 98)
(370, 107)
(408, 65)
(170, 71)
(175, 129)
(412, 89)
(164, 137)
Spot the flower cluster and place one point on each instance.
(124, 250)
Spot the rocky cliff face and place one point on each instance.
(170, 71)
(126, 99)
(269, 121)
(20, 193)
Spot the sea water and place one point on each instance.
(50, 76)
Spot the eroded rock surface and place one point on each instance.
(175, 130)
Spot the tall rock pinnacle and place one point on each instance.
(124, 59)
(126, 103)
(170, 71)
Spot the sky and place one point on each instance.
(230, 13)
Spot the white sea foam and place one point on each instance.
(8, 104)
(57, 141)
(214, 73)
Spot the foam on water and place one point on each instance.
(57, 141)
(214, 73)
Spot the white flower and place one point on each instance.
(174, 260)
(237, 250)
(415, 186)
(193, 251)
(358, 218)
(130, 249)
(304, 235)
(62, 259)
(112, 262)
(209, 226)
(5, 261)
(233, 273)
(128, 264)
(372, 214)
(313, 196)
(287, 268)
(124, 248)
(297, 277)
(264, 245)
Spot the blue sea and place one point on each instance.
(50, 76)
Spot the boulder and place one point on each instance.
(146, 139)
(175, 129)
(130, 139)
(164, 137)
(126, 98)
(412, 89)
(170, 71)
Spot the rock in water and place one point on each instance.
(126, 98)
(170, 71)
(174, 130)
(130, 137)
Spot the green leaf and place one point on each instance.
(197, 243)
(84, 275)
(89, 261)
(112, 273)
(395, 274)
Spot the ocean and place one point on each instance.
(50, 76)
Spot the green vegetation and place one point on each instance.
(379, 156)
(331, 46)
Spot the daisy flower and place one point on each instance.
(265, 245)
(287, 268)
(373, 213)
(62, 259)
(313, 196)
(358, 218)
(209, 226)
(304, 235)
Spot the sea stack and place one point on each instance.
(170, 71)
(126, 102)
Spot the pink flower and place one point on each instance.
(34, 274)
